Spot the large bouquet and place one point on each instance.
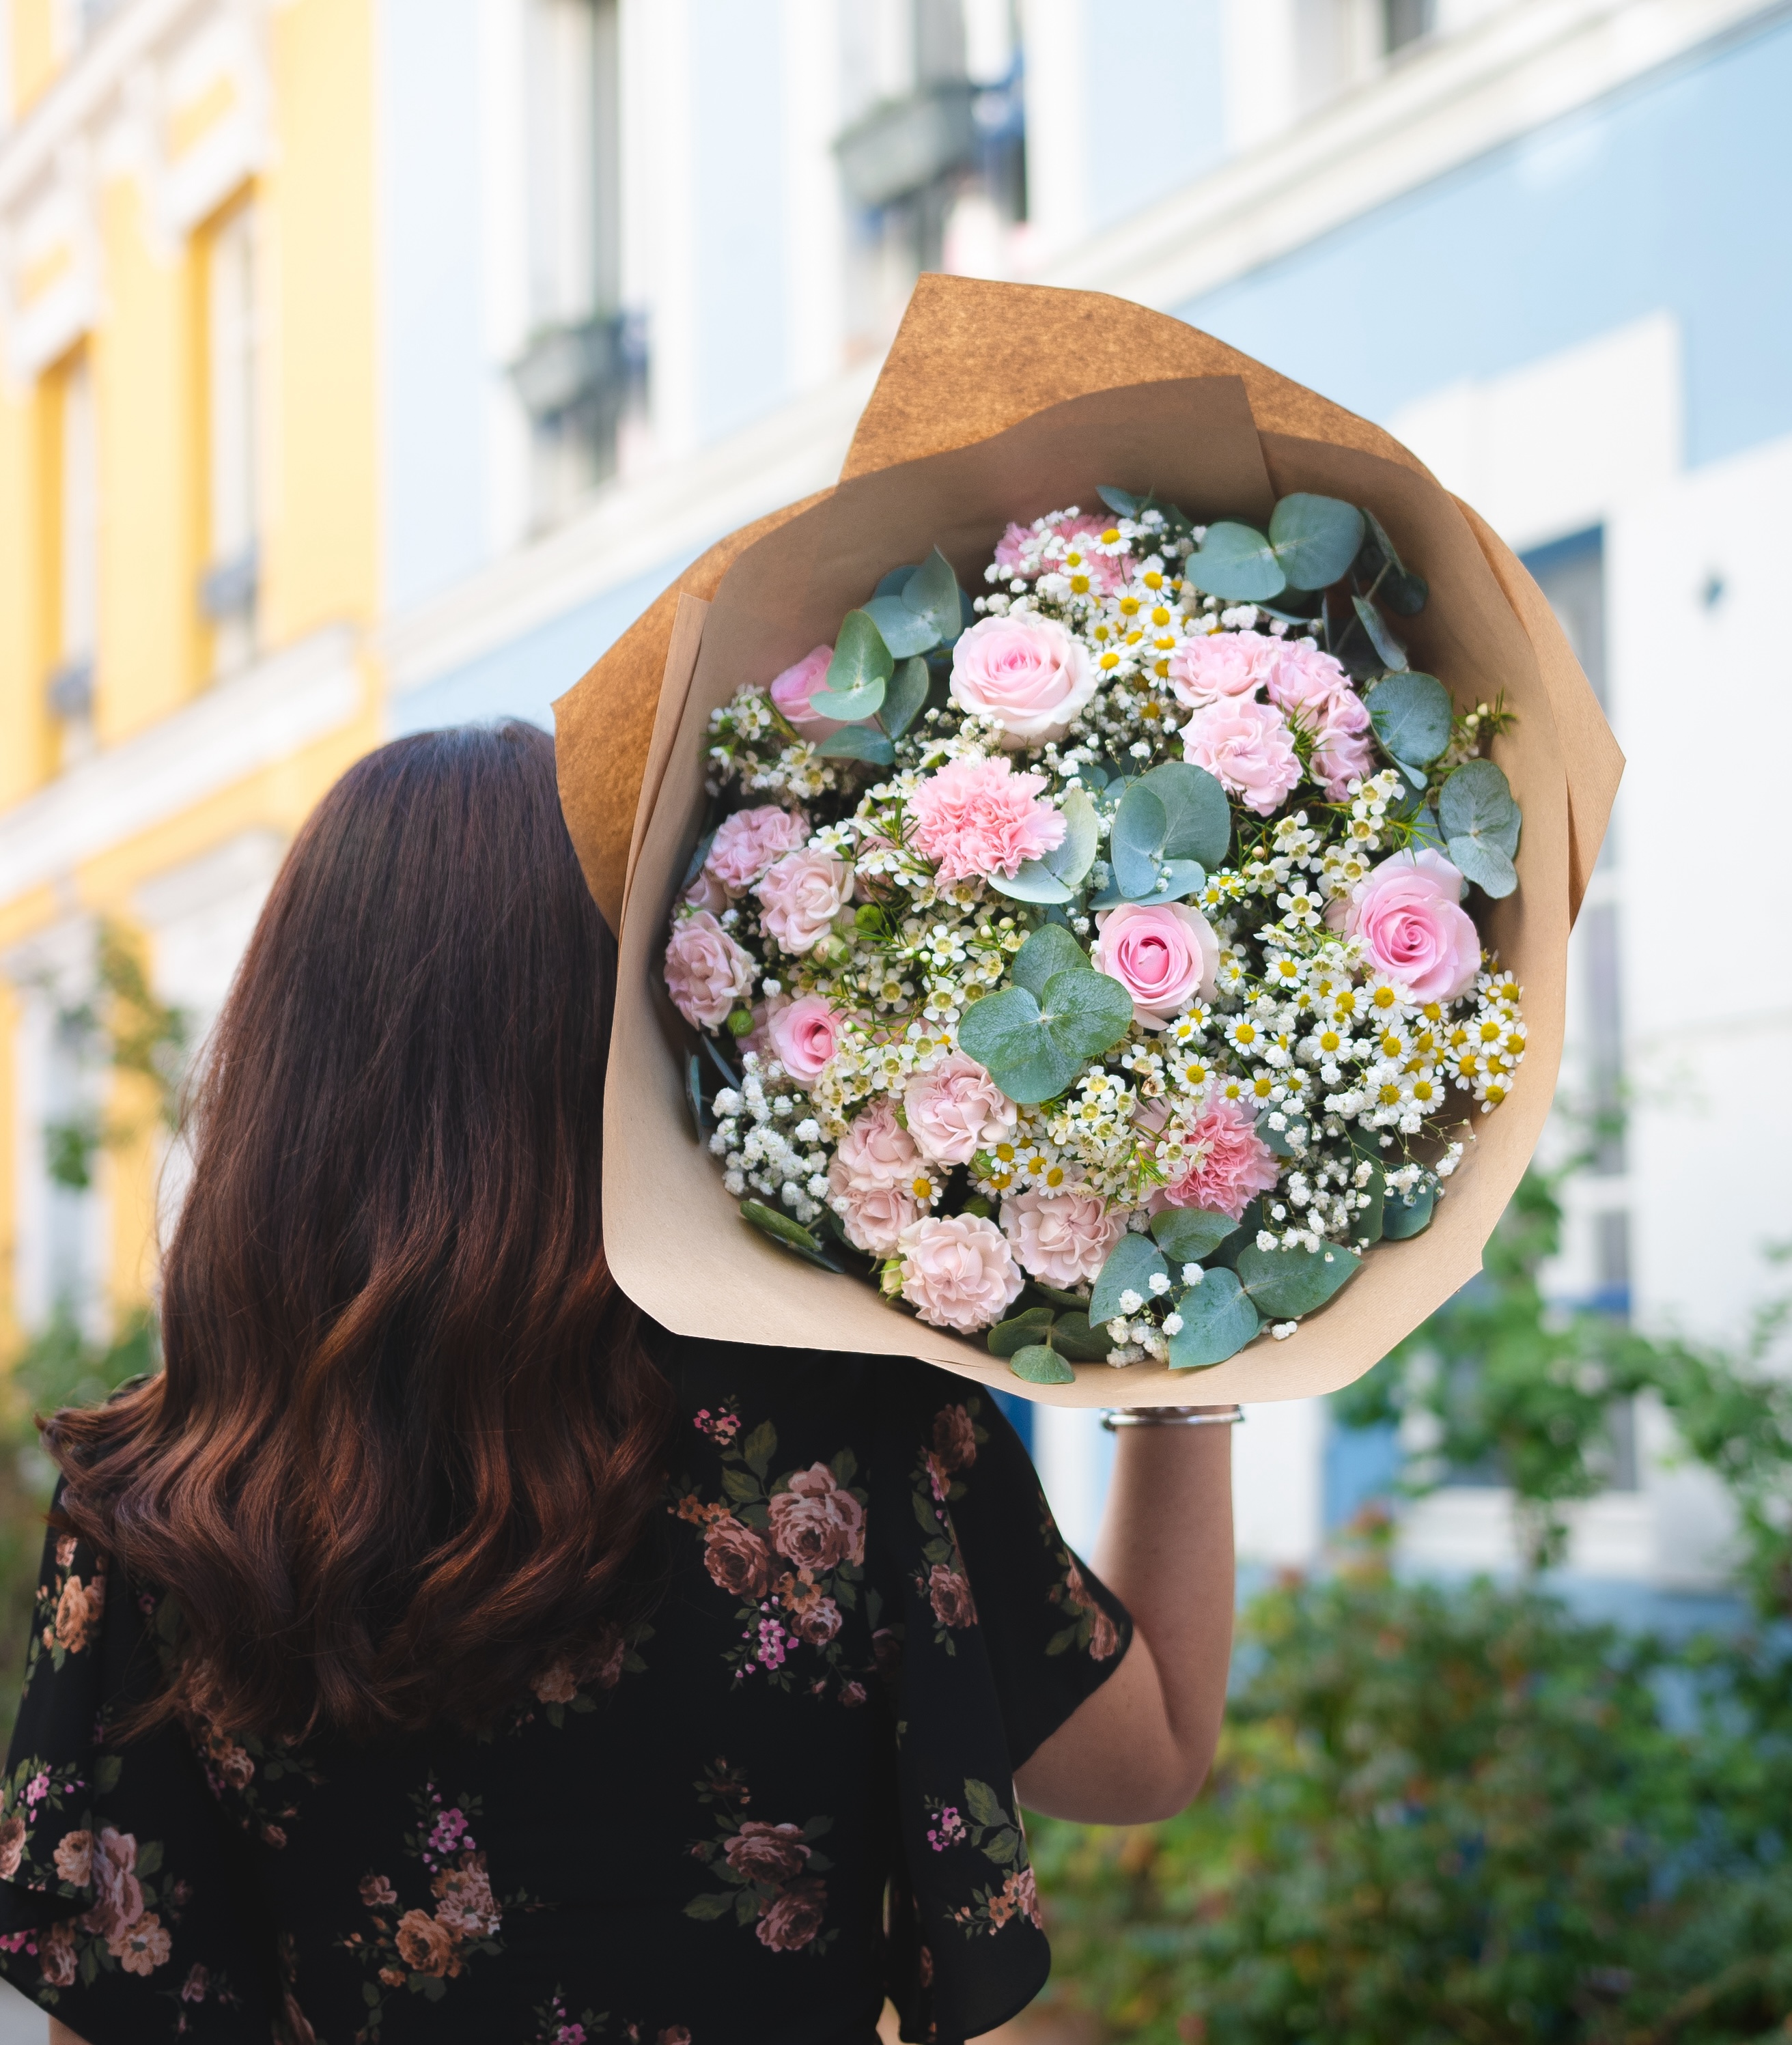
(1095, 962)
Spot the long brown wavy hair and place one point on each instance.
(407, 1438)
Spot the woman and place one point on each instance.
(437, 1650)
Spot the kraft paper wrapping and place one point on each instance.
(1000, 402)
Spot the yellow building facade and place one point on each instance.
(189, 535)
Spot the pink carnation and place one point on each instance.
(976, 818)
(1345, 752)
(1063, 1238)
(1304, 681)
(749, 841)
(1408, 914)
(791, 691)
(1221, 665)
(800, 897)
(707, 971)
(1163, 953)
(803, 1034)
(1246, 745)
(954, 1109)
(1230, 1164)
(870, 1179)
(958, 1272)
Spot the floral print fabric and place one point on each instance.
(784, 1794)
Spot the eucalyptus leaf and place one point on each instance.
(1411, 714)
(1133, 1262)
(1425, 832)
(1291, 1139)
(696, 864)
(1399, 1221)
(1236, 563)
(1072, 1303)
(1219, 1318)
(1050, 949)
(1249, 1222)
(1286, 1283)
(905, 632)
(1178, 879)
(1478, 860)
(1072, 859)
(858, 741)
(694, 1093)
(1034, 882)
(1190, 1235)
(1121, 502)
(896, 581)
(932, 594)
(1314, 538)
(858, 672)
(1366, 1223)
(1072, 1335)
(1039, 1365)
(903, 697)
(730, 1076)
(1398, 588)
(1135, 844)
(1476, 802)
(1380, 637)
(789, 1234)
(1197, 817)
(1034, 1049)
(1006, 1337)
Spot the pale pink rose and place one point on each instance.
(791, 692)
(1164, 954)
(976, 818)
(954, 1109)
(118, 1893)
(749, 841)
(1246, 746)
(1221, 665)
(1062, 1237)
(759, 1852)
(1028, 673)
(790, 1921)
(1345, 753)
(817, 1523)
(958, 1272)
(874, 1217)
(1408, 914)
(1228, 1165)
(1304, 681)
(804, 1035)
(705, 892)
(706, 972)
(801, 896)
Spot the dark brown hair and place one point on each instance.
(408, 1436)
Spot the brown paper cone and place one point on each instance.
(1001, 402)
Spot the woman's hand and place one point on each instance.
(1140, 1748)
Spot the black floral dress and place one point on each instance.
(786, 1794)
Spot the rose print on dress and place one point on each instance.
(938, 1480)
(556, 2026)
(69, 1607)
(773, 1871)
(1090, 1629)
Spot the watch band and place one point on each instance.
(1172, 1416)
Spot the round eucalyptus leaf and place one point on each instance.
(1291, 1140)
(1072, 1335)
(1411, 714)
(1050, 949)
(1121, 502)
(1135, 844)
(1237, 564)
(903, 697)
(1197, 817)
(1006, 1337)
(905, 632)
(1478, 859)
(1366, 1223)
(1034, 1049)
(1133, 1262)
(1219, 1318)
(931, 593)
(1082, 837)
(1288, 1283)
(1316, 538)
(789, 1234)
(858, 672)
(1040, 1366)
(858, 741)
(1190, 1235)
(1399, 1220)
(1178, 879)
(896, 581)
(1392, 653)
(1476, 802)
(1034, 882)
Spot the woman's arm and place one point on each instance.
(61, 2035)
(1140, 1747)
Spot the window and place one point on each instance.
(1404, 21)
(231, 584)
(75, 544)
(584, 366)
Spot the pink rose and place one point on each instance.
(976, 818)
(801, 896)
(707, 971)
(705, 892)
(791, 692)
(804, 1035)
(1408, 914)
(1163, 953)
(791, 1921)
(1062, 1237)
(817, 1523)
(958, 1272)
(1344, 752)
(1304, 681)
(1228, 1165)
(954, 1109)
(1221, 665)
(749, 841)
(1246, 745)
(1027, 673)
